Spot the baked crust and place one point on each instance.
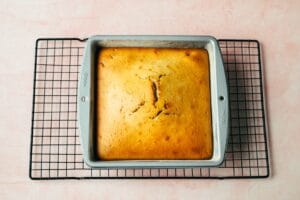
(153, 103)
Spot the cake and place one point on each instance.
(153, 104)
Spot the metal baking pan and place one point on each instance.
(219, 98)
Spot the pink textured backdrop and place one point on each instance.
(274, 23)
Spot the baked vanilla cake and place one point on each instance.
(153, 103)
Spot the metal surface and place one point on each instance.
(55, 150)
(218, 90)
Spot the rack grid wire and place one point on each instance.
(55, 151)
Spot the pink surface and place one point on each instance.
(274, 23)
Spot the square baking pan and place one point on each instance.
(218, 92)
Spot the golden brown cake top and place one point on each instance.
(153, 103)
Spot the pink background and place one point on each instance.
(276, 24)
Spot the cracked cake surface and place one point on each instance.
(153, 103)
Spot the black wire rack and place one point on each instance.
(55, 151)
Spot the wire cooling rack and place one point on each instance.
(55, 151)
